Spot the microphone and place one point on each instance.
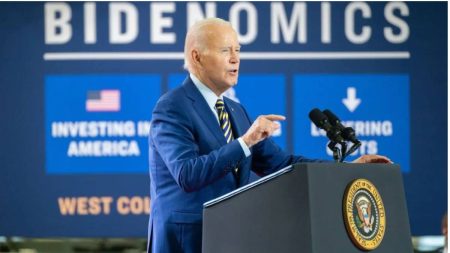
(321, 121)
(347, 132)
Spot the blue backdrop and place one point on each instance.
(70, 170)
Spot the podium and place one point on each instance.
(305, 208)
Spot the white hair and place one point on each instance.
(195, 37)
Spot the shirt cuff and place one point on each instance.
(244, 147)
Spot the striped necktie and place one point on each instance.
(225, 124)
(224, 120)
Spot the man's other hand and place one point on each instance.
(372, 159)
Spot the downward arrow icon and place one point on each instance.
(351, 102)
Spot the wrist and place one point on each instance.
(246, 141)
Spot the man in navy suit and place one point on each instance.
(202, 144)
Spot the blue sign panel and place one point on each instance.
(98, 123)
(264, 94)
(375, 106)
(260, 94)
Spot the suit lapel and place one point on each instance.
(201, 107)
(239, 129)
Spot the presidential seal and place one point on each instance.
(364, 214)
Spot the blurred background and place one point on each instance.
(79, 80)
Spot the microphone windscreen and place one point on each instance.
(317, 117)
(331, 117)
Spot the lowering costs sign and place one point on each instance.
(376, 106)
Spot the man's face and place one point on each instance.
(220, 58)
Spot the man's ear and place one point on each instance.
(195, 56)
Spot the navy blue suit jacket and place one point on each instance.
(191, 163)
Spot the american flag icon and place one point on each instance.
(103, 101)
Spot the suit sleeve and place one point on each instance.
(172, 135)
(268, 157)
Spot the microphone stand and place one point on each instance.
(336, 151)
(344, 151)
(339, 154)
(354, 147)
